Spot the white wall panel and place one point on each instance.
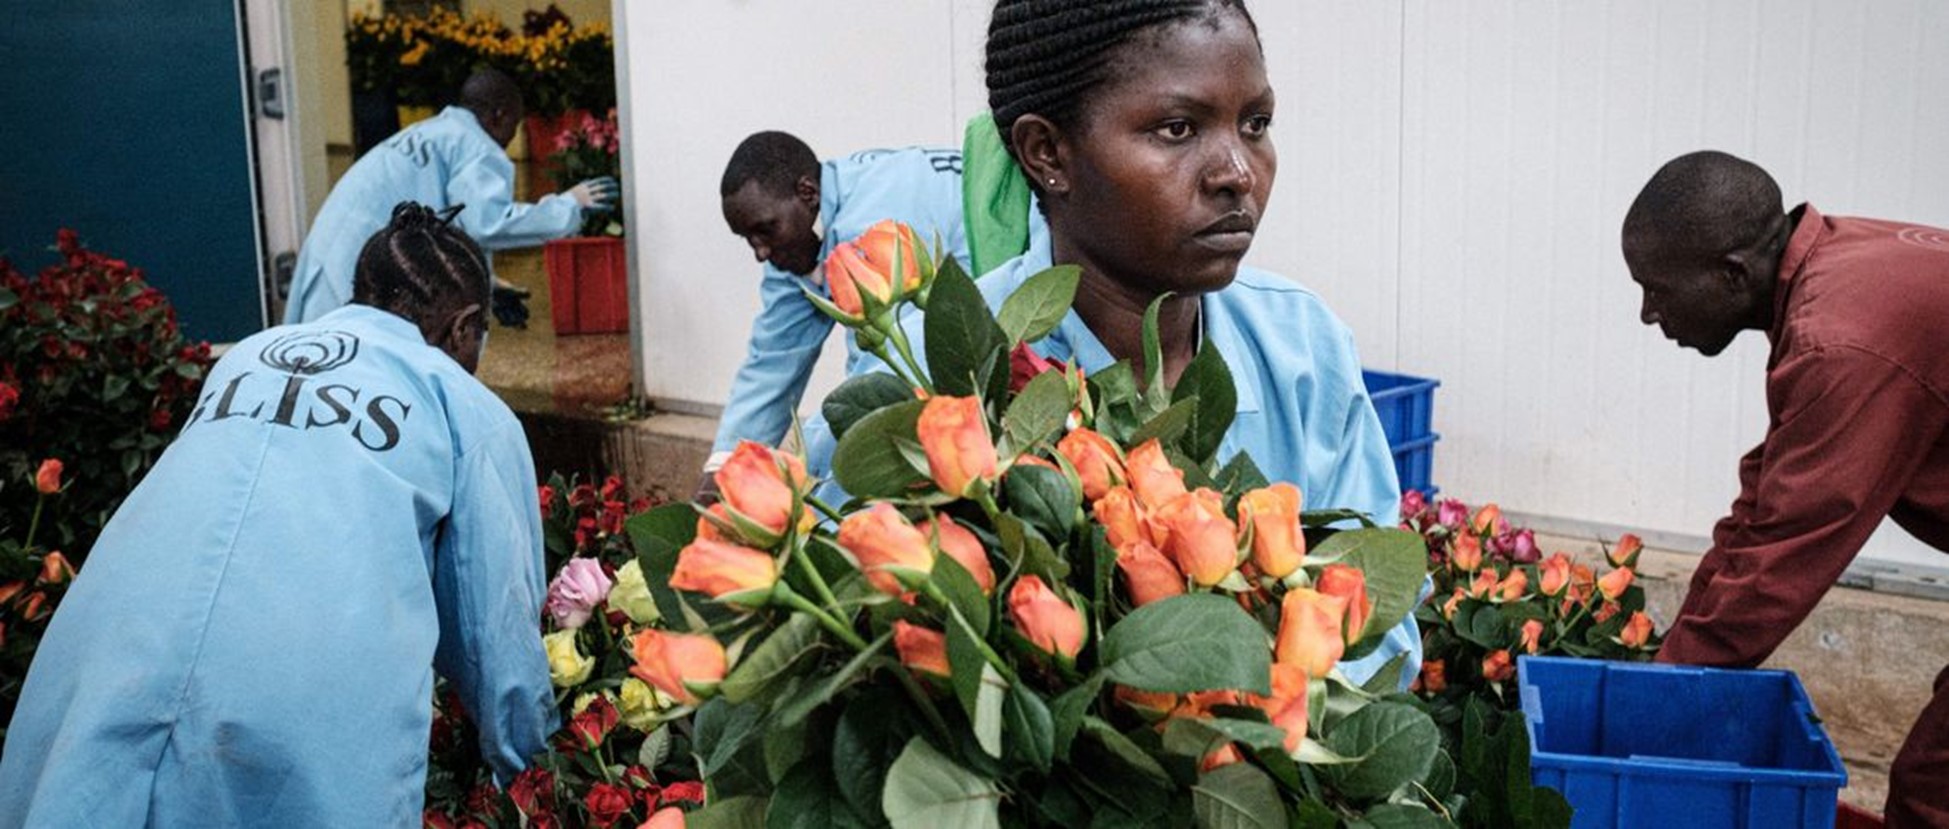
(1453, 174)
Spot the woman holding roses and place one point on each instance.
(1144, 129)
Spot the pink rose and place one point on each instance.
(576, 591)
(1452, 514)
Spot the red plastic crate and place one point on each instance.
(1851, 817)
(587, 285)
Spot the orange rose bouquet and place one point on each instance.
(1046, 603)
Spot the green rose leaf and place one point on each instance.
(860, 396)
(742, 812)
(1209, 381)
(961, 334)
(808, 798)
(1069, 710)
(774, 658)
(1042, 497)
(1396, 743)
(962, 591)
(1404, 816)
(1167, 426)
(1395, 563)
(864, 744)
(728, 741)
(793, 710)
(1193, 642)
(1237, 796)
(1039, 305)
(869, 462)
(658, 535)
(926, 789)
(1029, 727)
(1038, 411)
(1240, 475)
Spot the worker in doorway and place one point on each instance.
(458, 157)
(1857, 390)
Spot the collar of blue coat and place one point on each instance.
(465, 116)
(1074, 339)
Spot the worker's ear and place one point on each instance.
(463, 335)
(1043, 153)
(806, 190)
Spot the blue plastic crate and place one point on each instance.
(1406, 405)
(1641, 745)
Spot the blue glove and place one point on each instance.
(597, 194)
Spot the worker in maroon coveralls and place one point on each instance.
(1857, 390)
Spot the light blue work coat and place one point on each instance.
(252, 641)
(1303, 412)
(442, 161)
(919, 186)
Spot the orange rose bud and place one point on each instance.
(1043, 618)
(1152, 477)
(1286, 707)
(1095, 459)
(11, 589)
(726, 572)
(1485, 583)
(668, 817)
(1625, 552)
(1220, 757)
(1455, 601)
(1124, 521)
(1532, 635)
(55, 569)
(882, 541)
(1278, 545)
(961, 545)
(954, 434)
(893, 250)
(1615, 582)
(677, 663)
(36, 607)
(1148, 574)
(1151, 705)
(1556, 574)
(1497, 666)
(1198, 536)
(47, 479)
(708, 529)
(1514, 586)
(1484, 522)
(1434, 676)
(1582, 583)
(1466, 553)
(1606, 611)
(849, 276)
(1350, 584)
(1637, 630)
(1309, 630)
(1036, 460)
(921, 649)
(761, 486)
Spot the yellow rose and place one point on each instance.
(642, 706)
(567, 667)
(631, 594)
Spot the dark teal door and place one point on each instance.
(125, 120)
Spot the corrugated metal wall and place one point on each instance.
(1453, 174)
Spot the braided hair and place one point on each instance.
(1046, 56)
(776, 160)
(420, 264)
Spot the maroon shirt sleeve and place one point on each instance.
(1850, 431)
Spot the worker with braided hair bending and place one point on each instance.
(254, 638)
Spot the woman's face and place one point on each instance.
(1171, 161)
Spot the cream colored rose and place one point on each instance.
(567, 667)
(631, 595)
(642, 706)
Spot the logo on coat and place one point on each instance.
(304, 356)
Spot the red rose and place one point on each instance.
(533, 792)
(689, 790)
(583, 495)
(606, 802)
(482, 799)
(594, 723)
(611, 522)
(547, 495)
(9, 398)
(612, 488)
(436, 820)
(1024, 364)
